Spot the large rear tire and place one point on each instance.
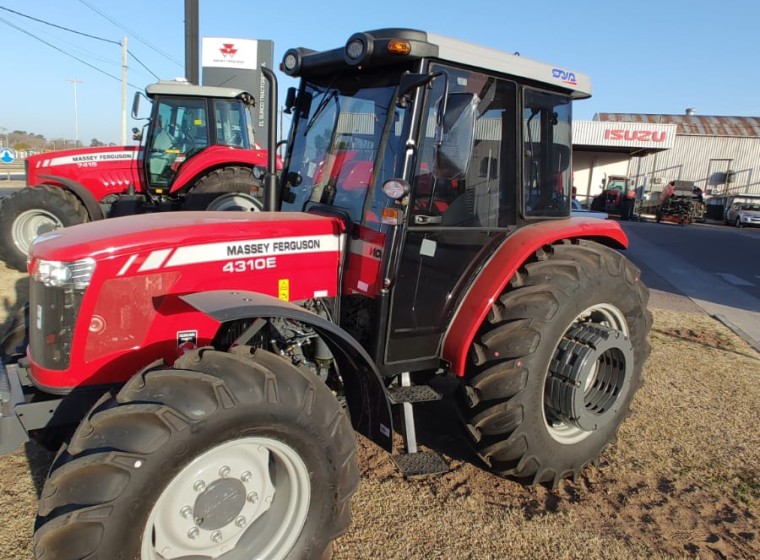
(241, 455)
(33, 211)
(557, 362)
(227, 188)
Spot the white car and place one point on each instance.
(744, 214)
(579, 211)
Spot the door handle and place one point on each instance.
(423, 219)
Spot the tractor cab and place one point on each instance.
(185, 120)
(433, 159)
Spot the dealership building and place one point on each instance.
(720, 155)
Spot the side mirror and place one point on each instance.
(456, 133)
(136, 105)
(290, 100)
(136, 134)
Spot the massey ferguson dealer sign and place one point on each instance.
(219, 52)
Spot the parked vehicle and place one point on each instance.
(199, 153)
(680, 202)
(743, 214)
(229, 354)
(579, 211)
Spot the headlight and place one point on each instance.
(54, 274)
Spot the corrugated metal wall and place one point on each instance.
(705, 160)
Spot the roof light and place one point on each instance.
(355, 49)
(358, 49)
(399, 46)
(291, 62)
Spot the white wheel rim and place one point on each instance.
(30, 224)
(247, 498)
(235, 202)
(611, 317)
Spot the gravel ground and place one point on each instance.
(683, 481)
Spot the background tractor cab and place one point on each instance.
(187, 119)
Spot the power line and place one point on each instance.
(120, 26)
(141, 64)
(79, 33)
(59, 26)
(8, 23)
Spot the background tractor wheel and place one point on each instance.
(227, 188)
(235, 455)
(33, 211)
(557, 362)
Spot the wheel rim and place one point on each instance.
(245, 498)
(600, 381)
(238, 202)
(30, 224)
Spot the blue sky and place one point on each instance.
(645, 56)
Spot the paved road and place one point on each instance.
(715, 266)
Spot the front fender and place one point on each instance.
(503, 265)
(212, 158)
(89, 201)
(365, 392)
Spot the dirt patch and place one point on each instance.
(683, 481)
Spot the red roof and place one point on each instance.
(693, 124)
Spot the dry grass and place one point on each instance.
(683, 481)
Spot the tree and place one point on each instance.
(95, 143)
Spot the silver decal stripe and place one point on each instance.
(126, 266)
(86, 158)
(247, 248)
(155, 260)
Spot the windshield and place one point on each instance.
(336, 143)
(752, 207)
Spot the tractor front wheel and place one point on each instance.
(33, 211)
(227, 188)
(557, 362)
(225, 455)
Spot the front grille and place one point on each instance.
(52, 318)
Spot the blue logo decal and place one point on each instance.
(564, 75)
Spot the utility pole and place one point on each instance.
(191, 42)
(124, 91)
(76, 109)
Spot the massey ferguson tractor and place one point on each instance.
(218, 363)
(199, 153)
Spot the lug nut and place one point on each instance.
(199, 486)
(193, 533)
(216, 536)
(253, 497)
(186, 512)
(224, 472)
(240, 521)
(246, 476)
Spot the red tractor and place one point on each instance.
(199, 145)
(216, 362)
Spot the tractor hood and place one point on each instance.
(208, 250)
(111, 165)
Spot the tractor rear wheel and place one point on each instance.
(557, 362)
(227, 188)
(33, 211)
(236, 455)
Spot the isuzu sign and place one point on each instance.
(635, 135)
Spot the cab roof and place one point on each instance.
(186, 89)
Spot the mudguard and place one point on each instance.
(213, 157)
(92, 206)
(503, 265)
(365, 392)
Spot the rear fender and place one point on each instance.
(365, 392)
(214, 157)
(90, 203)
(503, 265)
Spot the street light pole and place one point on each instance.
(76, 111)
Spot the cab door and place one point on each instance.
(462, 205)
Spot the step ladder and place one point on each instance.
(414, 462)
